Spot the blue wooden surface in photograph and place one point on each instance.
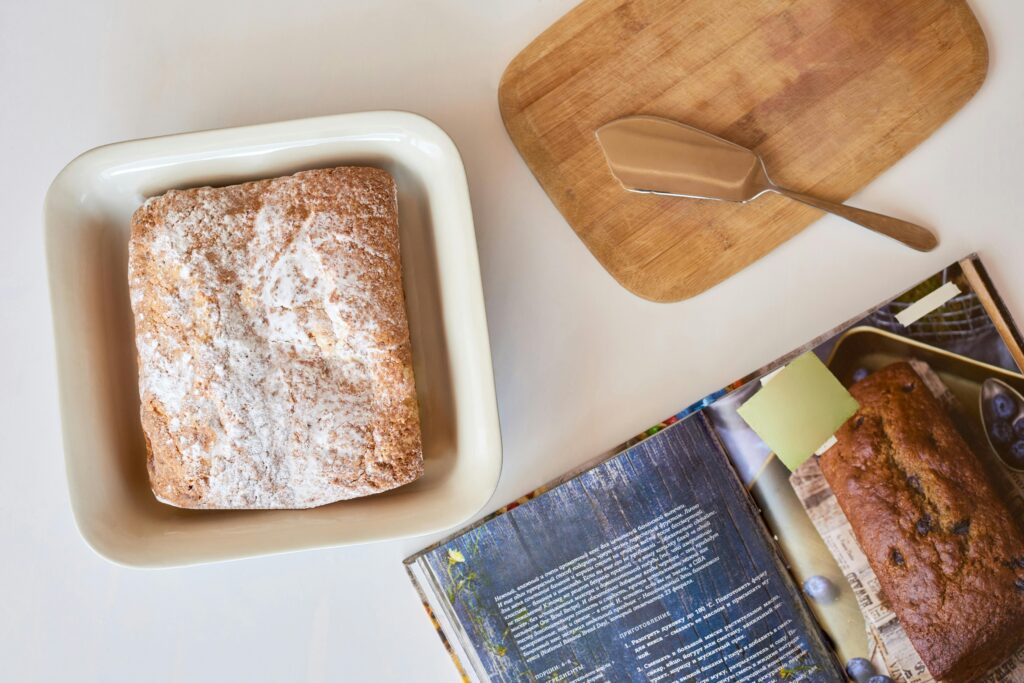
(519, 584)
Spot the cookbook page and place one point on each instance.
(953, 330)
(652, 566)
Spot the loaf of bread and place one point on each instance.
(275, 366)
(946, 550)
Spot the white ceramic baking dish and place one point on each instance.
(87, 212)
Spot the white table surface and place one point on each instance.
(580, 363)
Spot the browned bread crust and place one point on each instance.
(946, 550)
(275, 367)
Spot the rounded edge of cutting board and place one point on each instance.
(640, 278)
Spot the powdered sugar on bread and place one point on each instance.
(275, 365)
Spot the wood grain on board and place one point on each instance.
(830, 92)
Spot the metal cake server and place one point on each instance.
(659, 156)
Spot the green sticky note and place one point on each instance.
(797, 411)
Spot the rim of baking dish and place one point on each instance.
(103, 164)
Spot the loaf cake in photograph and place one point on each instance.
(947, 552)
(275, 367)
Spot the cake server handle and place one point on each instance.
(914, 236)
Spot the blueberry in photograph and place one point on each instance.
(859, 374)
(1017, 453)
(1001, 432)
(880, 679)
(860, 669)
(820, 589)
(1004, 406)
(1018, 428)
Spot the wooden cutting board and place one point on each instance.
(830, 92)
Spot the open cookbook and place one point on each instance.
(855, 509)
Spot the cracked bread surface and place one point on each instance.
(946, 550)
(275, 365)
